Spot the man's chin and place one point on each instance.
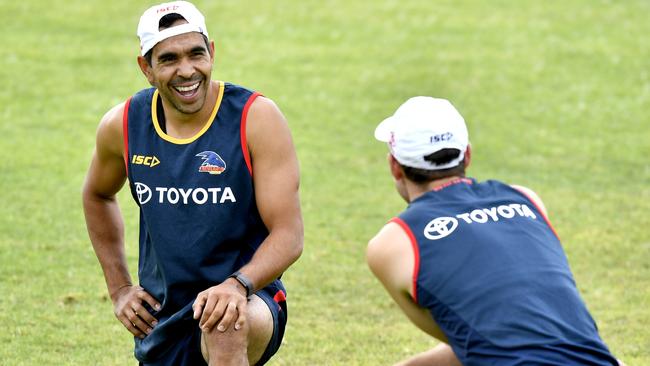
(189, 108)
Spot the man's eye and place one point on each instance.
(165, 59)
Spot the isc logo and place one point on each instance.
(442, 137)
(150, 161)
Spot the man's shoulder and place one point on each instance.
(113, 118)
(390, 256)
(112, 123)
(232, 88)
(142, 98)
(391, 239)
(110, 130)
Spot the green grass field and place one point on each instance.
(556, 95)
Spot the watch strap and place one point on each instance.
(244, 281)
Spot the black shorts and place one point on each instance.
(186, 351)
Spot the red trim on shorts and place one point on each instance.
(539, 209)
(416, 254)
(125, 133)
(280, 296)
(244, 144)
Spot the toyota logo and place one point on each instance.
(143, 192)
(440, 227)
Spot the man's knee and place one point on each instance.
(261, 328)
(225, 348)
(249, 342)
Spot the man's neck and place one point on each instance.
(415, 190)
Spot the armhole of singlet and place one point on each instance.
(539, 209)
(416, 256)
(125, 133)
(244, 142)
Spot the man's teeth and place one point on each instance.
(187, 88)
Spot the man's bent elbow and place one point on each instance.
(297, 244)
(90, 195)
(297, 248)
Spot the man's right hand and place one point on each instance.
(128, 308)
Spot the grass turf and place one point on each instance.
(555, 93)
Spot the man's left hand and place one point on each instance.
(221, 305)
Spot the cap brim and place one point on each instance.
(384, 128)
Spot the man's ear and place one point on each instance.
(211, 50)
(468, 155)
(395, 167)
(146, 69)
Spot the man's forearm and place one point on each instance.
(106, 232)
(278, 251)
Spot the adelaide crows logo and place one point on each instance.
(212, 163)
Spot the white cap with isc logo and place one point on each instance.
(422, 126)
(150, 21)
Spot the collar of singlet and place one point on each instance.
(181, 141)
(453, 182)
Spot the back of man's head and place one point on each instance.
(428, 137)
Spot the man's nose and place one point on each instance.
(185, 68)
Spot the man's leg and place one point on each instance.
(244, 346)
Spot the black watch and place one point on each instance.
(244, 281)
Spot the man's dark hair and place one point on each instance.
(439, 157)
(166, 22)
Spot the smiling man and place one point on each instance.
(213, 169)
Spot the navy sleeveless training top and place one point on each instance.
(492, 272)
(198, 217)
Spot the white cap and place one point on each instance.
(149, 22)
(422, 126)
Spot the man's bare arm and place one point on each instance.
(276, 180)
(106, 176)
(391, 259)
